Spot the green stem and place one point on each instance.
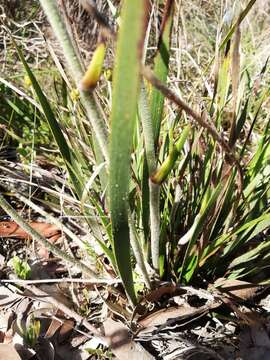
(52, 12)
(138, 253)
(154, 189)
(155, 223)
(148, 130)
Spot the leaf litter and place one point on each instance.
(170, 322)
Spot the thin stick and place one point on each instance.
(62, 280)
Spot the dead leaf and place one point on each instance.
(121, 344)
(2, 336)
(24, 352)
(54, 326)
(8, 300)
(154, 296)
(237, 289)
(161, 316)
(178, 313)
(55, 292)
(2, 261)
(8, 352)
(11, 229)
(65, 330)
(9, 295)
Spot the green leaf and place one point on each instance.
(161, 67)
(189, 264)
(228, 238)
(169, 163)
(21, 268)
(241, 17)
(32, 332)
(126, 81)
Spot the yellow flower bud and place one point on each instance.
(92, 75)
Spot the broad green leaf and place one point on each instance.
(126, 81)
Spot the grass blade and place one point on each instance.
(190, 262)
(161, 67)
(64, 149)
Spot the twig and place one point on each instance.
(51, 219)
(62, 280)
(171, 95)
(91, 8)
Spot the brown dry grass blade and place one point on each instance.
(235, 73)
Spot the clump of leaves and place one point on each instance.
(32, 332)
(100, 354)
(21, 268)
(176, 191)
(29, 330)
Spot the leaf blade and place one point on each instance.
(124, 107)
